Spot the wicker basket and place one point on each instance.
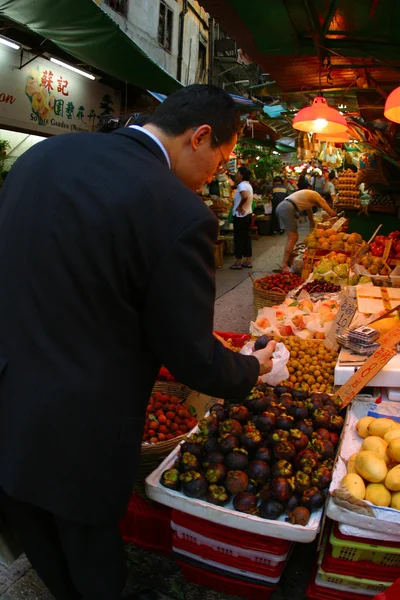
(262, 298)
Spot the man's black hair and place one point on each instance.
(196, 105)
(245, 173)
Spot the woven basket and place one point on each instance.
(262, 298)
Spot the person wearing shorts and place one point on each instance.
(288, 212)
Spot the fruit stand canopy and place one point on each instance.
(86, 32)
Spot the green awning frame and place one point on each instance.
(86, 32)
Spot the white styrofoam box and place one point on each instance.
(387, 377)
(384, 518)
(262, 558)
(356, 532)
(227, 515)
(394, 394)
(229, 569)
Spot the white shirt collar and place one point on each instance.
(155, 139)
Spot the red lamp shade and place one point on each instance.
(320, 118)
(392, 106)
(337, 138)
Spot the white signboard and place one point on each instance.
(48, 99)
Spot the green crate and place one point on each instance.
(386, 556)
(369, 585)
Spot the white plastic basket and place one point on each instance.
(261, 558)
(345, 583)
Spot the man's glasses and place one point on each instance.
(223, 166)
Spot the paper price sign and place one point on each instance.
(391, 338)
(342, 320)
(370, 368)
(386, 252)
(308, 264)
(336, 226)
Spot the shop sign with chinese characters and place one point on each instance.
(46, 98)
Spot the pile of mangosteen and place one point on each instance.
(273, 453)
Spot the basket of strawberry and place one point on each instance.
(272, 290)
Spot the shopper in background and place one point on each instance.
(107, 272)
(330, 188)
(318, 181)
(279, 193)
(289, 212)
(242, 217)
(302, 182)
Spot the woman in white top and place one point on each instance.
(289, 212)
(242, 216)
(330, 186)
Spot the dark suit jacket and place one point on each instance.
(106, 272)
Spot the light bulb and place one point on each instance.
(320, 124)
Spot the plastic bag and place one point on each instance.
(280, 359)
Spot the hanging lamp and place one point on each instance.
(392, 106)
(320, 118)
(337, 138)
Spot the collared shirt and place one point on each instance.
(155, 139)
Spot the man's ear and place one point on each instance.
(200, 135)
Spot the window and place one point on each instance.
(120, 6)
(165, 27)
(201, 71)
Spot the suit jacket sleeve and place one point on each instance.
(179, 318)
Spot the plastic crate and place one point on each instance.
(364, 569)
(350, 584)
(224, 583)
(148, 525)
(319, 592)
(355, 549)
(249, 542)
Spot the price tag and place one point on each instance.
(336, 226)
(386, 252)
(391, 338)
(308, 264)
(342, 320)
(369, 369)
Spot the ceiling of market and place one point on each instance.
(350, 50)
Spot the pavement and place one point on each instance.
(233, 312)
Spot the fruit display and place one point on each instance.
(166, 418)
(349, 194)
(378, 244)
(282, 281)
(271, 455)
(302, 318)
(331, 240)
(335, 268)
(373, 473)
(319, 286)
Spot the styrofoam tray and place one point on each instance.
(227, 515)
(388, 518)
(382, 536)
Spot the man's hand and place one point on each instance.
(264, 357)
(240, 210)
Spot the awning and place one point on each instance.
(86, 32)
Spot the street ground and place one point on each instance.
(233, 312)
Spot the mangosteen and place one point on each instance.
(276, 409)
(284, 422)
(237, 460)
(337, 402)
(230, 426)
(299, 516)
(251, 438)
(263, 454)
(329, 400)
(299, 393)
(213, 457)
(258, 471)
(302, 482)
(321, 419)
(217, 494)
(208, 427)
(286, 401)
(314, 402)
(313, 499)
(277, 436)
(239, 413)
(282, 468)
(282, 389)
(305, 426)
(306, 461)
(292, 503)
(216, 473)
(265, 492)
(271, 396)
(194, 484)
(336, 424)
(228, 443)
(285, 450)
(333, 438)
(211, 445)
(321, 478)
(252, 488)
(262, 342)
(259, 404)
(270, 509)
(246, 503)
(324, 449)
(298, 410)
(189, 462)
(330, 409)
(261, 387)
(281, 489)
(236, 482)
(265, 421)
(219, 412)
(298, 439)
(321, 434)
(170, 479)
(329, 463)
(194, 448)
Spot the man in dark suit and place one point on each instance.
(106, 272)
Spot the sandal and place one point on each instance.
(236, 267)
(247, 265)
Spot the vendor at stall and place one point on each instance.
(288, 212)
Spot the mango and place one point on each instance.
(381, 426)
(371, 466)
(355, 485)
(377, 494)
(392, 479)
(362, 426)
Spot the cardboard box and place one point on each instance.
(373, 299)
